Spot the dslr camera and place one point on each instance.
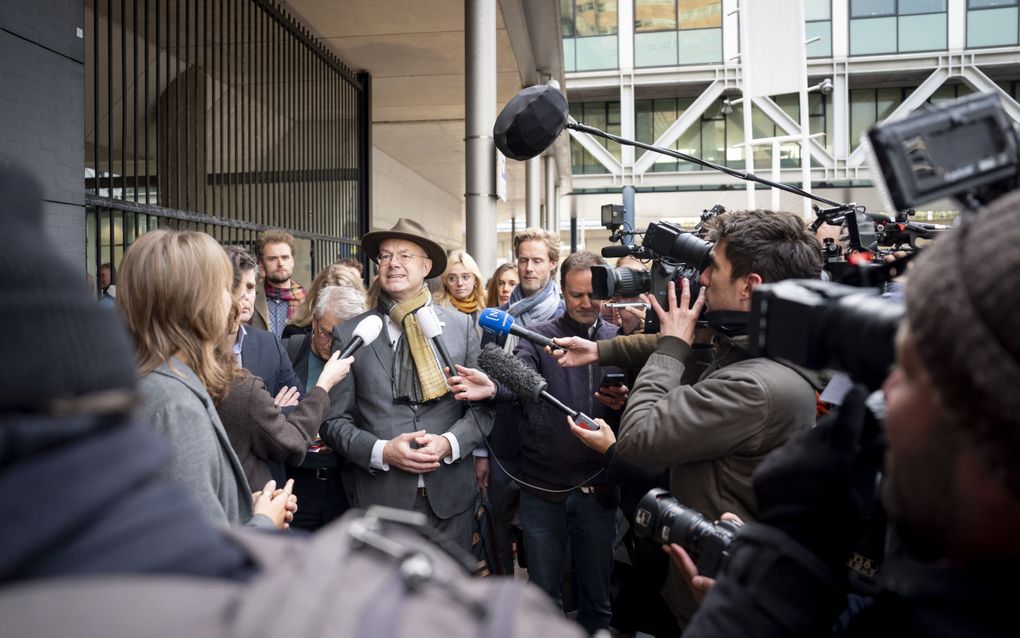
(662, 518)
(677, 254)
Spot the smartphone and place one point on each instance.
(626, 304)
(613, 380)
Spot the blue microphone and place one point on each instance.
(498, 322)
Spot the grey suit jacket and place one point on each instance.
(175, 404)
(363, 412)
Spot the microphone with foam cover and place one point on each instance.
(501, 323)
(433, 329)
(525, 382)
(530, 122)
(364, 333)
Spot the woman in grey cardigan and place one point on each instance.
(175, 299)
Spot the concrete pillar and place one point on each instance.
(550, 193)
(533, 191)
(479, 116)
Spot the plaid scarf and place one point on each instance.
(417, 375)
(293, 295)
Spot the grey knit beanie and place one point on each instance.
(57, 342)
(962, 301)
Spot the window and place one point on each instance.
(601, 115)
(718, 137)
(674, 32)
(992, 23)
(897, 26)
(818, 23)
(589, 30)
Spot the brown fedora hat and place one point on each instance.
(412, 231)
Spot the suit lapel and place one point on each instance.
(383, 350)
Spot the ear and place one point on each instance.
(751, 282)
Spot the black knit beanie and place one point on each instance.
(962, 301)
(56, 341)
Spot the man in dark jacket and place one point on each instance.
(567, 500)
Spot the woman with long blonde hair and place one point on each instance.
(462, 286)
(176, 301)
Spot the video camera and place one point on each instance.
(967, 149)
(677, 254)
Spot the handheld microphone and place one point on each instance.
(525, 382)
(430, 326)
(364, 333)
(499, 322)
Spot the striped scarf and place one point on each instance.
(417, 374)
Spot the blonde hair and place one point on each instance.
(461, 256)
(334, 275)
(534, 233)
(492, 290)
(171, 298)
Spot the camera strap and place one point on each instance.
(728, 323)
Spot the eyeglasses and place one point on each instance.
(319, 333)
(465, 278)
(402, 258)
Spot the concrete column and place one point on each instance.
(956, 19)
(628, 213)
(550, 193)
(479, 116)
(533, 191)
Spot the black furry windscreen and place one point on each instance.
(508, 370)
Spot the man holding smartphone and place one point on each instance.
(566, 500)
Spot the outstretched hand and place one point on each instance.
(574, 352)
(470, 384)
(678, 320)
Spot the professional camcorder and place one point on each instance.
(817, 324)
(663, 519)
(965, 149)
(677, 254)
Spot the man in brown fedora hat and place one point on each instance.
(395, 418)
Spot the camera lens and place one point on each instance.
(607, 282)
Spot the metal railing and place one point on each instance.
(224, 116)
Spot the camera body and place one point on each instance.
(662, 518)
(676, 254)
(818, 324)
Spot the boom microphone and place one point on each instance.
(364, 333)
(525, 382)
(530, 122)
(501, 323)
(430, 326)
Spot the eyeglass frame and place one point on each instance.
(463, 277)
(403, 259)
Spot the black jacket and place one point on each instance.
(550, 454)
(772, 586)
(85, 496)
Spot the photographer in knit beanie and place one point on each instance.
(951, 483)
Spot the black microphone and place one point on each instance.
(617, 251)
(430, 326)
(499, 322)
(364, 333)
(530, 122)
(525, 382)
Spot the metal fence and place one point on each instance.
(225, 116)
